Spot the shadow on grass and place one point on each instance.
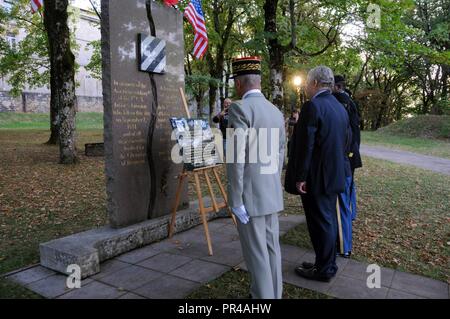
(235, 284)
(11, 290)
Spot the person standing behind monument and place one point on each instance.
(317, 167)
(347, 199)
(255, 193)
(222, 119)
(290, 124)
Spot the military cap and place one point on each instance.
(246, 65)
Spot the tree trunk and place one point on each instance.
(216, 64)
(445, 75)
(63, 86)
(276, 52)
(54, 118)
(227, 80)
(276, 80)
(212, 99)
(436, 108)
(54, 125)
(198, 100)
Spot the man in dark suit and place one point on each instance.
(317, 167)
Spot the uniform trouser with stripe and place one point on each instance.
(353, 199)
(321, 218)
(345, 218)
(261, 249)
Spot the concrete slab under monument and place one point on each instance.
(90, 248)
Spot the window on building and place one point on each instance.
(12, 41)
(8, 4)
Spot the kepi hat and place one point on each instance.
(246, 65)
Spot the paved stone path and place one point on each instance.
(432, 163)
(173, 268)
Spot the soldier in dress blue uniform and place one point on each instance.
(347, 199)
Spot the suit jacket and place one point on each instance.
(223, 123)
(252, 181)
(320, 146)
(352, 111)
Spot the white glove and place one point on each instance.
(242, 214)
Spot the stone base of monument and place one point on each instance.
(88, 249)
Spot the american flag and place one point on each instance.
(36, 5)
(196, 18)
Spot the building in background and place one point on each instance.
(89, 90)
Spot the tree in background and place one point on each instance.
(401, 65)
(197, 82)
(222, 17)
(396, 69)
(94, 67)
(393, 69)
(62, 75)
(299, 31)
(429, 65)
(198, 86)
(27, 64)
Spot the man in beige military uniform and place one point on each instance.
(254, 164)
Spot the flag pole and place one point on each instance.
(42, 17)
(95, 9)
(186, 108)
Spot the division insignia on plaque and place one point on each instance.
(152, 54)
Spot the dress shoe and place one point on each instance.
(346, 255)
(311, 274)
(307, 265)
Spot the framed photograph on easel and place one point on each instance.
(197, 144)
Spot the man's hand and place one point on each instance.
(242, 214)
(301, 187)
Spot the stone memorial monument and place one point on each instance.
(138, 105)
(143, 54)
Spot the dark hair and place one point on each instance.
(340, 85)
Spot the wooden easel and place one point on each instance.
(201, 206)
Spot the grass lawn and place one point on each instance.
(403, 221)
(427, 146)
(85, 121)
(425, 134)
(404, 213)
(41, 200)
(426, 126)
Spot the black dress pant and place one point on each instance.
(321, 217)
